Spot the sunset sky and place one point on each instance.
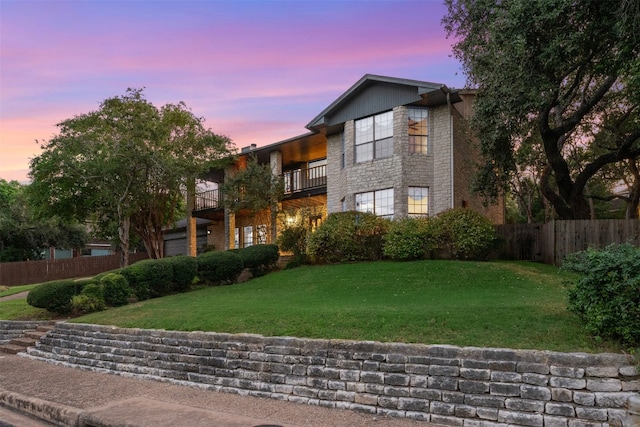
(257, 71)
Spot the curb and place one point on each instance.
(54, 413)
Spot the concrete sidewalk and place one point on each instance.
(74, 397)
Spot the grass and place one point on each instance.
(496, 304)
(12, 290)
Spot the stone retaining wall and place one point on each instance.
(10, 329)
(449, 385)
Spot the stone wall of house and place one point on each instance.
(470, 387)
(440, 148)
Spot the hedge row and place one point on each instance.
(150, 279)
(357, 236)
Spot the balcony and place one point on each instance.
(211, 199)
(300, 180)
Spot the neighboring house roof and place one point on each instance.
(374, 94)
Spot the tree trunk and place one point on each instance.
(634, 191)
(123, 235)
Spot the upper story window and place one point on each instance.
(378, 202)
(418, 130)
(374, 137)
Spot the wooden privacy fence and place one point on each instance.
(27, 272)
(552, 241)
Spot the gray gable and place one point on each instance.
(375, 94)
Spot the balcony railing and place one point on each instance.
(294, 181)
(211, 199)
(305, 179)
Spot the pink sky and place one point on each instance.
(257, 71)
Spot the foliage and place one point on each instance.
(348, 236)
(543, 78)
(407, 239)
(259, 258)
(462, 234)
(90, 300)
(296, 226)
(256, 189)
(22, 235)
(149, 278)
(124, 166)
(185, 270)
(607, 294)
(55, 296)
(219, 267)
(115, 289)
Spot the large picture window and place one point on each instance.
(418, 130)
(374, 137)
(377, 202)
(418, 201)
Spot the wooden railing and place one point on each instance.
(305, 179)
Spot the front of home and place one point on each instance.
(393, 147)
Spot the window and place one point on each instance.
(418, 201)
(377, 202)
(261, 231)
(248, 236)
(374, 137)
(418, 130)
(236, 238)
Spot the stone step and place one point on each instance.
(11, 349)
(23, 341)
(35, 334)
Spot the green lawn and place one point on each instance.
(497, 304)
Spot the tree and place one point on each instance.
(545, 69)
(255, 189)
(127, 164)
(22, 235)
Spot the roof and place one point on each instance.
(373, 94)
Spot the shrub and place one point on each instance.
(259, 258)
(219, 267)
(185, 270)
(408, 238)
(55, 296)
(91, 299)
(348, 236)
(149, 278)
(462, 234)
(607, 294)
(115, 289)
(294, 239)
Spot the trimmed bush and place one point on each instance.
(185, 270)
(90, 300)
(115, 289)
(348, 236)
(462, 234)
(259, 258)
(407, 239)
(149, 278)
(607, 295)
(219, 267)
(56, 296)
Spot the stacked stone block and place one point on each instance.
(471, 387)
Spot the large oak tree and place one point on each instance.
(546, 70)
(126, 163)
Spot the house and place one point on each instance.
(394, 147)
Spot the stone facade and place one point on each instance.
(470, 387)
(447, 169)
